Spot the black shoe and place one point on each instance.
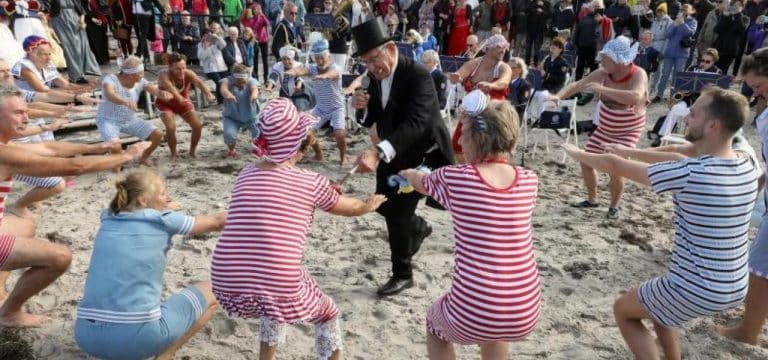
(81, 81)
(395, 286)
(423, 233)
(656, 100)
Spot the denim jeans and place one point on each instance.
(232, 126)
(671, 66)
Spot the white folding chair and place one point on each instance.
(673, 130)
(535, 109)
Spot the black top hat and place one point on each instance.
(369, 35)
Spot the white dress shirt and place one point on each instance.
(387, 150)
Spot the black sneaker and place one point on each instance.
(584, 204)
(613, 213)
(656, 100)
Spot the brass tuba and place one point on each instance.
(342, 23)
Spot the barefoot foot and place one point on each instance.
(22, 320)
(147, 163)
(23, 213)
(736, 334)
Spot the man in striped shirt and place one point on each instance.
(713, 194)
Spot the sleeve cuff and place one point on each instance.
(386, 151)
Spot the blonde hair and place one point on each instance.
(131, 62)
(498, 132)
(413, 37)
(518, 62)
(133, 186)
(239, 68)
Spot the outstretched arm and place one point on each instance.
(347, 206)
(650, 156)
(594, 77)
(199, 84)
(17, 159)
(208, 223)
(634, 170)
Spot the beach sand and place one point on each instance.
(586, 262)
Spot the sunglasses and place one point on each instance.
(706, 61)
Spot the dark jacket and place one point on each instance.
(282, 35)
(620, 15)
(441, 85)
(555, 71)
(188, 47)
(538, 16)
(648, 59)
(411, 122)
(703, 7)
(585, 33)
(730, 31)
(228, 52)
(519, 93)
(563, 18)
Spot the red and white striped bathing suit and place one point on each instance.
(6, 240)
(616, 127)
(256, 269)
(495, 295)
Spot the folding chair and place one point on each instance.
(571, 127)
(673, 130)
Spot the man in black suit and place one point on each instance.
(287, 32)
(403, 111)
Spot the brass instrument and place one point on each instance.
(680, 95)
(342, 23)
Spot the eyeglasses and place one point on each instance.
(293, 13)
(706, 61)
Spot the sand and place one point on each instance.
(586, 262)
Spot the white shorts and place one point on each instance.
(139, 128)
(337, 119)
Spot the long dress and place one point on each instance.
(97, 34)
(74, 40)
(459, 31)
(27, 22)
(11, 49)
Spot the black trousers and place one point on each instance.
(144, 25)
(585, 58)
(399, 212)
(261, 49)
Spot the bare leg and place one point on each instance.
(21, 207)
(205, 288)
(437, 349)
(669, 338)
(494, 351)
(155, 138)
(590, 182)
(46, 262)
(341, 143)
(318, 150)
(755, 311)
(267, 352)
(197, 130)
(15, 225)
(616, 187)
(628, 313)
(170, 132)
